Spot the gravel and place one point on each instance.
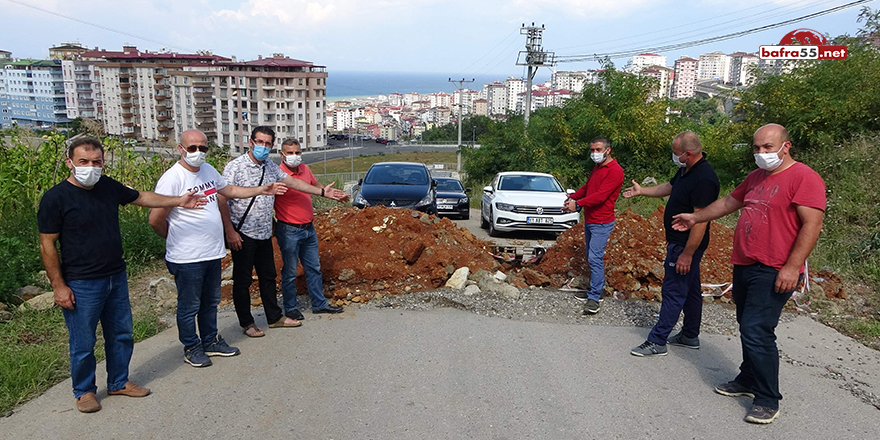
(553, 305)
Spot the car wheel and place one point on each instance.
(483, 223)
(492, 231)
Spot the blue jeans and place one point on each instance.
(198, 293)
(758, 308)
(301, 245)
(595, 239)
(680, 293)
(104, 299)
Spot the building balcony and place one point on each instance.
(124, 85)
(158, 76)
(127, 115)
(125, 95)
(128, 124)
(161, 107)
(161, 97)
(268, 87)
(129, 134)
(204, 114)
(126, 105)
(269, 98)
(161, 87)
(163, 128)
(161, 118)
(124, 75)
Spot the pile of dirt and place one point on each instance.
(369, 253)
(634, 256)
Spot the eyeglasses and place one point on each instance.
(261, 143)
(193, 148)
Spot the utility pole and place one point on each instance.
(461, 83)
(534, 57)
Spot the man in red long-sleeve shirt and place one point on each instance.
(597, 198)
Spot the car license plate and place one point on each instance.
(539, 220)
(445, 207)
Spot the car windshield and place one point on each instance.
(529, 183)
(397, 175)
(448, 185)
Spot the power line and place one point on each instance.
(629, 53)
(140, 37)
(487, 53)
(629, 37)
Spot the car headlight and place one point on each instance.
(359, 199)
(464, 200)
(427, 200)
(505, 206)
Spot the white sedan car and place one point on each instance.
(523, 201)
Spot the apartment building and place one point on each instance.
(481, 107)
(514, 87)
(664, 76)
(714, 66)
(67, 51)
(741, 68)
(32, 93)
(573, 81)
(645, 60)
(496, 97)
(5, 55)
(410, 98)
(82, 89)
(685, 73)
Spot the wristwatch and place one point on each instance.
(322, 192)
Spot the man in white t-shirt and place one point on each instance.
(194, 246)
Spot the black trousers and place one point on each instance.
(259, 255)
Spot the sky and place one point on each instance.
(462, 38)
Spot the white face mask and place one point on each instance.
(195, 159)
(87, 176)
(768, 161)
(597, 157)
(678, 161)
(293, 160)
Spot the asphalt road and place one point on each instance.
(340, 149)
(517, 238)
(448, 374)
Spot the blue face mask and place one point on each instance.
(261, 153)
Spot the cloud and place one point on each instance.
(583, 7)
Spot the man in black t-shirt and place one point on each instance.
(88, 279)
(694, 187)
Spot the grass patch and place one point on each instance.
(36, 355)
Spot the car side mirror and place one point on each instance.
(467, 190)
(487, 189)
(360, 182)
(569, 191)
(433, 183)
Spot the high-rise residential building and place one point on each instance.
(137, 93)
(281, 92)
(481, 107)
(684, 83)
(395, 99)
(664, 76)
(645, 60)
(496, 96)
(67, 51)
(5, 55)
(573, 81)
(714, 66)
(514, 87)
(464, 98)
(82, 89)
(32, 93)
(410, 98)
(741, 68)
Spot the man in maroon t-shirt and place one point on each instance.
(597, 198)
(783, 205)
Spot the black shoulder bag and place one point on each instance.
(253, 199)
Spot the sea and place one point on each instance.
(343, 85)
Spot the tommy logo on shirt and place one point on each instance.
(209, 190)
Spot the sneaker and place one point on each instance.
(684, 341)
(220, 348)
(591, 307)
(581, 296)
(296, 314)
(196, 356)
(733, 389)
(649, 348)
(761, 415)
(87, 403)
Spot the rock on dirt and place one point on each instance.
(459, 278)
(43, 301)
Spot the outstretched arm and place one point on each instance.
(149, 199)
(718, 209)
(662, 190)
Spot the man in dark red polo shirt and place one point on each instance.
(597, 198)
(783, 206)
(297, 238)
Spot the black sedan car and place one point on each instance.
(398, 185)
(452, 198)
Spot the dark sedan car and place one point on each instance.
(452, 198)
(397, 185)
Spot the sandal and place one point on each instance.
(257, 333)
(283, 323)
